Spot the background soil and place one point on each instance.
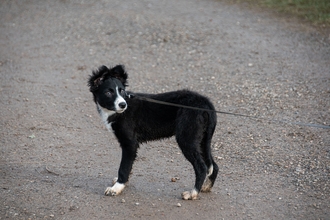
(57, 157)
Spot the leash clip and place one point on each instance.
(129, 95)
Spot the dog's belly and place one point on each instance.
(148, 133)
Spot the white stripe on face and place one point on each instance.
(118, 100)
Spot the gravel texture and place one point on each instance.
(57, 157)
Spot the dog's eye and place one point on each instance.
(109, 93)
(122, 92)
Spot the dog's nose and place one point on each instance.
(122, 105)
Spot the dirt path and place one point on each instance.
(57, 157)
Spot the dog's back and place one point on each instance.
(153, 121)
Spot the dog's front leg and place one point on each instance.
(128, 156)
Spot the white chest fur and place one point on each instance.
(105, 113)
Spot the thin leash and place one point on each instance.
(227, 113)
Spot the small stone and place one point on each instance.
(250, 64)
(52, 216)
(123, 201)
(173, 179)
(137, 203)
(178, 205)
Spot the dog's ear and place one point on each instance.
(103, 73)
(119, 73)
(97, 78)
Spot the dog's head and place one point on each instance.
(108, 88)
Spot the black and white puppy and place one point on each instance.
(135, 121)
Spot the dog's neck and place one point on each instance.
(107, 116)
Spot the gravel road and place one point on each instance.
(57, 157)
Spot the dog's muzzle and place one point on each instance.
(122, 105)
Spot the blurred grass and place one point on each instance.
(315, 11)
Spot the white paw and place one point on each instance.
(115, 190)
(207, 185)
(189, 195)
(108, 192)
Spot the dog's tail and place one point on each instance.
(206, 148)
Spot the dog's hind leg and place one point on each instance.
(207, 185)
(210, 178)
(200, 169)
(189, 137)
(207, 155)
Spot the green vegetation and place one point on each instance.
(313, 10)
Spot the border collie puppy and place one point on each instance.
(136, 121)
